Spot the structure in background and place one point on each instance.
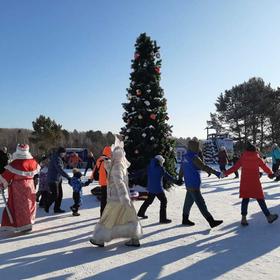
(212, 145)
(82, 154)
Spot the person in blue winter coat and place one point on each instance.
(77, 184)
(190, 170)
(156, 173)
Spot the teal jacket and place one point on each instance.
(275, 155)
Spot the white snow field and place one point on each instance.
(58, 247)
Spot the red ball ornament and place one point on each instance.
(138, 92)
(157, 70)
(153, 116)
(136, 55)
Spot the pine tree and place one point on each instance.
(47, 133)
(146, 132)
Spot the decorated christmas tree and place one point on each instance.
(147, 132)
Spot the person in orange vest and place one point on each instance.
(99, 167)
(74, 160)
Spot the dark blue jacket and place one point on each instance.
(155, 177)
(76, 184)
(55, 169)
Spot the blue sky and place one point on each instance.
(70, 60)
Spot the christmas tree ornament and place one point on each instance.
(126, 137)
(147, 103)
(138, 92)
(144, 135)
(132, 108)
(136, 55)
(140, 117)
(153, 116)
(148, 90)
(152, 138)
(151, 127)
(145, 64)
(128, 130)
(157, 55)
(136, 152)
(157, 70)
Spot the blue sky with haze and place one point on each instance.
(70, 60)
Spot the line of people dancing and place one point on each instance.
(118, 215)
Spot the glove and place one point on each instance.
(180, 182)
(87, 182)
(218, 174)
(125, 201)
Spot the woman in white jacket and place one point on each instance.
(119, 219)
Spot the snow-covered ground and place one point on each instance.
(58, 247)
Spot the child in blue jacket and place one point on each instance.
(156, 172)
(77, 184)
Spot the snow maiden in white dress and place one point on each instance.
(119, 219)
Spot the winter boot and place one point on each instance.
(165, 221)
(187, 222)
(214, 223)
(133, 242)
(244, 221)
(93, 242)
(76, 214)
(271, 218)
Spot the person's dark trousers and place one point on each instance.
(222, 167)
(55, 195)
(44, 199)
(163, 204)
(103, 200)
(77, 201)
(245, 203)
(195, 196)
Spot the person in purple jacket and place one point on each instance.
(156, 173)
(190, 169)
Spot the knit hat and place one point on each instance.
(61, 150)
(160, 159)
(22, 152)
(274, 146)
(77, 173)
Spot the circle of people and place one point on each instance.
(118, 217)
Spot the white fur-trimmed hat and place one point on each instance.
(160, 159)
(22, 152)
